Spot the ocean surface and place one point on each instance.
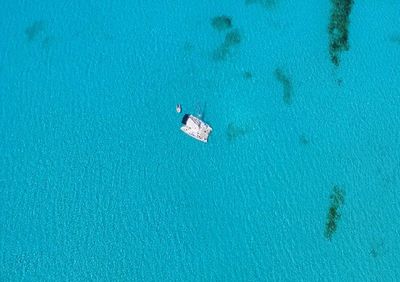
(97, 182)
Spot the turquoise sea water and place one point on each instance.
(98, 183)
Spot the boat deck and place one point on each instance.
(196, 128)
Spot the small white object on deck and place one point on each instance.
(196, 128)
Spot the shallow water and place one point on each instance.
(98, 182)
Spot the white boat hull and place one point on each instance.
(196, 128)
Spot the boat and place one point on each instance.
(178, 108)
(196, 128)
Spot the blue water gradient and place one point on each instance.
(98, 183)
